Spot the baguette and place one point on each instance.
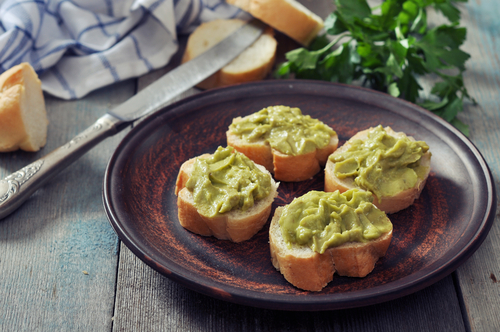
(23, 118)
(388, 204)
(309, 270)
(288, 16)
(253, 64)
(285, 167)
(235, 225)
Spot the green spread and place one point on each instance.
(328, 219)
(285, 128)
(225, 181)
(382, 164)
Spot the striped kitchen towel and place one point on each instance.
(77, 46)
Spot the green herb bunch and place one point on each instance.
(387, 48)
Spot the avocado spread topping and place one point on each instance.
(382, 164)
(285, 128)
(225, 181)
(322, 220)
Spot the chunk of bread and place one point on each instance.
(23, 119)
(284, 167)
(309, 270)
(388, 204)
(235, 225)
(288, 16)
(253, 64)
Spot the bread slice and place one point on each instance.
(284, 167)
(236, 225)
(309, 270)
(388, 204)
(253, 64)
(287, 16)
(23, 118)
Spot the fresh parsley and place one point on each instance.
(388, 48)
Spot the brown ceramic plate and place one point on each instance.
(431, 238)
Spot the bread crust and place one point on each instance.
(312, 271)
(284, 167)
(287, 16)
(388, 204)
(236, 225)
(23, 118)
(253, 64)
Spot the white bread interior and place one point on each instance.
(388, 204)
(253, 64)
(288, 16)
(235, 225)
(284, 167)
(23, 118)
(309, 270)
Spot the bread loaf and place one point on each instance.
(23, 119)
(253, 64)
(389, 204)
(288, 16)
(236, 225)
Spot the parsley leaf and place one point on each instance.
(388, 48)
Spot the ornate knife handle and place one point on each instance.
(18, 187)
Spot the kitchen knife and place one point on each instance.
(17, 187)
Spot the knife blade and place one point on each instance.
(18, 186)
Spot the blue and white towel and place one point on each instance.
(77, 46)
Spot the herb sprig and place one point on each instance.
(387, 48)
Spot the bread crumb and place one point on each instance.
(85, 272)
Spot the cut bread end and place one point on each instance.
(253, 64)
(23, 118)
(388, 204)
(309, 270)
(287, 168)
(288, 16)
(235, 225)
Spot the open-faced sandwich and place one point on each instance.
(225, 195)
(392, 166)
(322, 233)
(289, 144)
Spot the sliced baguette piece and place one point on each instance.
(309, 270)
(253, 64)
(288, 16)
(23, 118)
(284, 167)
(388, 204)
(236, 225)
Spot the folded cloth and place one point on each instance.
(77, 46)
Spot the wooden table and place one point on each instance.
(62, 267)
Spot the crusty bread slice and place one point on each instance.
(23, 119)
(387, 204)
(253, 64)
(288, 16)
(236, 225)
(309, 270)
(285, 167)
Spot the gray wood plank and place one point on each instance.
(62, 231)
(478, 276)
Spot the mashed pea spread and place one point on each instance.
(328, 219)
(225, 181)
(382, 164)
(285, 128)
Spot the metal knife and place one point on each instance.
(17, 187)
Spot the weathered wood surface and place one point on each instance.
(62, 231)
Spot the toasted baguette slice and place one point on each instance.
(388, 204)
(287, 16)
(309, 270)
(285, 167)
(236, 225)
(253, 64)
(23, 119)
